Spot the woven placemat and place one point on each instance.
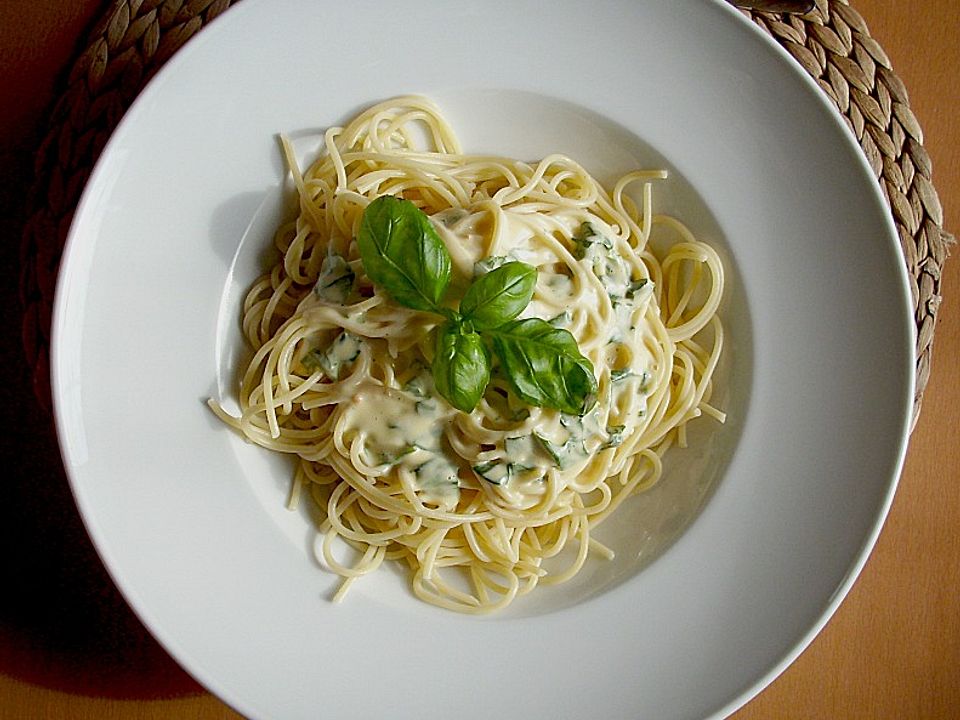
(135, 38)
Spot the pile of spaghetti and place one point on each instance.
(483, 505)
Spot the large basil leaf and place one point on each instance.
(499, 296)
(403, 254)
(461, 367)
(544, 365)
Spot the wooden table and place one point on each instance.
(69, 647)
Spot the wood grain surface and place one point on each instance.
(70, 648)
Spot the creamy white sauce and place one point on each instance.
(335, 285)
(403, 430)
(518, 241)
(344, 349)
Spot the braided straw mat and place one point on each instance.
(135, 38)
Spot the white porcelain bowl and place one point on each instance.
(724, 572)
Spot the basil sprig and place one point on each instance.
(403, 254)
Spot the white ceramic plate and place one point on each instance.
(724, 573)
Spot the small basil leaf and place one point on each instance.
(335, 282)
(403, 254)
(499, 296)
(544, 365)
(461, 367)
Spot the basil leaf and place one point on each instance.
(614, 436)
(544, 365)
(403, 254)
(586, 236)
(461, 367)
(335, 282)
(499, 296)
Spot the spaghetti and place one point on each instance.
(482, 506)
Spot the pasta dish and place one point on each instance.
(475, 359)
